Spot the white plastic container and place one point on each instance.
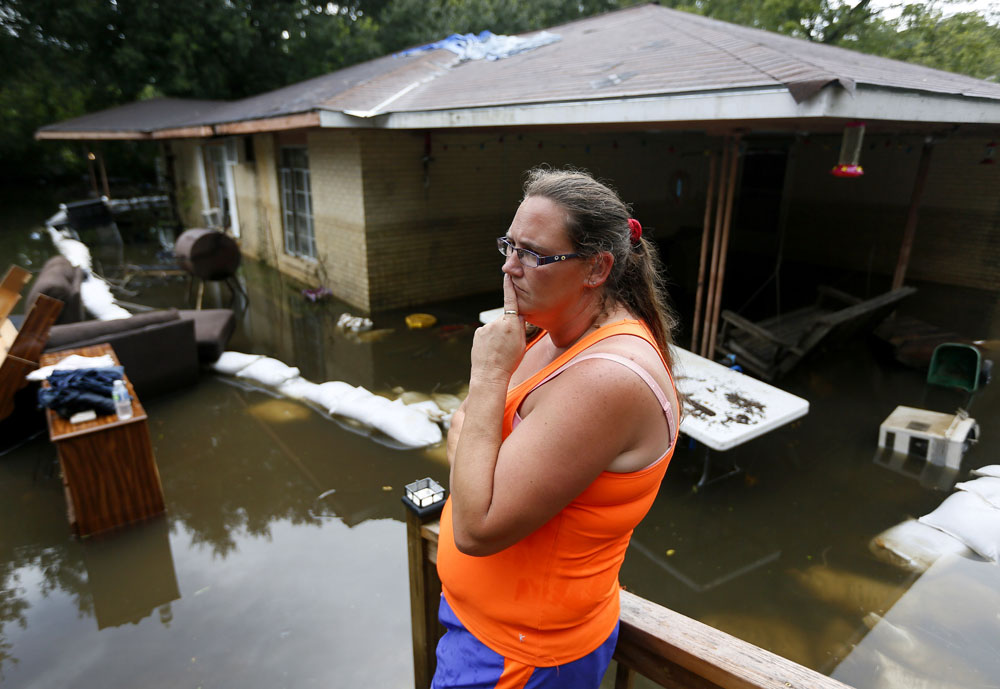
(941, 439)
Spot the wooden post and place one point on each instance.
(87, 153)
(425, 592)
(909, 230)
(720, 206)
(703, 260)
(734, 163)
(104, 174)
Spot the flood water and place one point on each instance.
(281, 560)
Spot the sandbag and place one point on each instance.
(915, 546)
(268, 371)
(407, 425)
(971, 520)
(298, 388)
(991, 470)
(231, 363)
(987, 487)
(332, 393)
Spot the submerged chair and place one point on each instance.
(772, 347)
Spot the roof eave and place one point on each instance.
(90, 135)
(748, 104)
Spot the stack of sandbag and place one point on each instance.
(967, 523)
(411, 425)
(95, 293)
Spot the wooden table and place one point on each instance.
(108, 469)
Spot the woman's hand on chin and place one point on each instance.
(498, 347)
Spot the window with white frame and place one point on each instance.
(296, 202)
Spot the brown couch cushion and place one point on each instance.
(63, 335)
(60, 280)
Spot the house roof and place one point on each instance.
(132, 121)
(645, 65)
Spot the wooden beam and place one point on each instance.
(734, 166)
(910, 229)
(273, 124)
(109, 135)
(677, 651)
(184, 133)
(706, 233)
(714, 266)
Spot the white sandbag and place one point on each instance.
(991, 470)
(971, 520)
(335, 392)
(298, 388)
(407, 425)
(97, 298)
(987, 487)
(75, 251)
(915, 546)
(428, 408)
(268, 371)
(364, 408)
(231, 363)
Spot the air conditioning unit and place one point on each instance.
(941, 439)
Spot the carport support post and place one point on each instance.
(714, 266)
(910, 228)
(706, 235)
(726, 224)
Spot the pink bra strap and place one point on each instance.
(668, 411)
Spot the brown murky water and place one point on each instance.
(281, 560)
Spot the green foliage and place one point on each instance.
(965, 43)
(65, 58)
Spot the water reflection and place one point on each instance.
(130, 574)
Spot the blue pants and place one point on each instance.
(463, 662)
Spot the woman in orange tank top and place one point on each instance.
(558, 450)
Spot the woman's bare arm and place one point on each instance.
(503, 490)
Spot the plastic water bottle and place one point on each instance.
(123, 402)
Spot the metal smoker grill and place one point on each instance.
(209, 255)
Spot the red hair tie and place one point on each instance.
(635, 229)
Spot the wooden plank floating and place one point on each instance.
(664, 646)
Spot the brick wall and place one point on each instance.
(431, 230)
(339, 214)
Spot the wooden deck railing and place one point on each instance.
(670, 649)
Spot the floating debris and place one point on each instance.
(355, 324)
(315, 294)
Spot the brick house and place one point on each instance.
(387, 181)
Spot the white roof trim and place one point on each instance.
(773, 102)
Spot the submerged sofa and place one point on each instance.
(161, 350)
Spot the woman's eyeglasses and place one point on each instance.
(527, 257)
